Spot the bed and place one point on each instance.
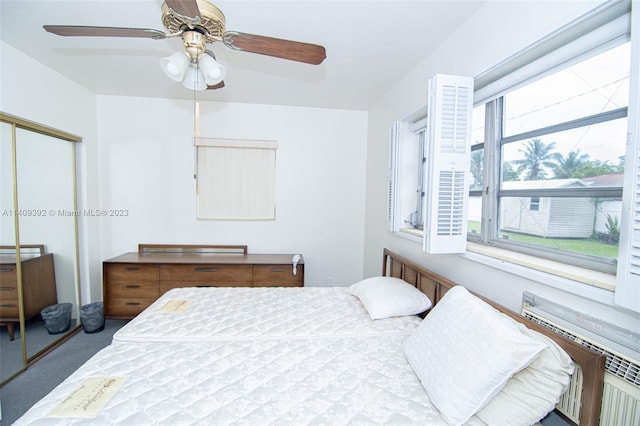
(225, 313)
(283, 376)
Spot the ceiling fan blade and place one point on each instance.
(216, 86)
(81, 31)
(188, 8)
(280, 48)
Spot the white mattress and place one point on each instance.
(227, 313)
(332, 381)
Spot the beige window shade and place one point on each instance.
(235, 179)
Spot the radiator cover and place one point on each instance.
(621, 394)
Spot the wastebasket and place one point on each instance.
(92, 317)
(57, 318)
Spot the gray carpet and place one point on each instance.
(38, 380)
(11, 350)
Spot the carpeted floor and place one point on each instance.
(21, 393)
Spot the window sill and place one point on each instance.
(410, 234)
(581, 281)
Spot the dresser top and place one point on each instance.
(217, 258)
(8, 259)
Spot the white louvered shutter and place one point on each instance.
(392, 176)
(448, 157)
(628, 276)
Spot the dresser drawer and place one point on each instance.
(165, 286)
(8, 291)
(133, 289)
(9, 308)
(8, 274)
(127, 308)
(277, 284)
(131, 272)
(267, 273)
(206, 273)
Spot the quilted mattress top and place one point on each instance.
(348, 380)
(228, 313)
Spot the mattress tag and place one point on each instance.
(175, 306)
(89, 398)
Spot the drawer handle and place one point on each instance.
(132, 286)
(8, 306)
(206, 269)
(132, 303)
(6, 270)
(7, 288)
(277, 270)
(132, 268)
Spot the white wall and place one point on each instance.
(147, 165)
(498, 30)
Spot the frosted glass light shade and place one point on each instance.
(175, 65)
(194, 79)
(214, 72)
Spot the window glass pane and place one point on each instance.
(477, 125)
(474, 215)
(477, 170)
(409, 189)
(587, 153)
(581, 225)
(595, 85)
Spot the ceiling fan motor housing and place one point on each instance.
(211, 23)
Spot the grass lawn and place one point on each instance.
(585, 246)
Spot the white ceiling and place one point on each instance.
(369, 45)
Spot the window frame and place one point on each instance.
(492, 191)
(410, 130)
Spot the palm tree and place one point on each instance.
(570, 166)
(537, 156)
(508, 173)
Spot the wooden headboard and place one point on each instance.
(591, 363)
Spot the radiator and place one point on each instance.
(621, 393)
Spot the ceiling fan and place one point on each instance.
(198, 23)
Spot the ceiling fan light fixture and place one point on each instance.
(175, 65)
(214, 72)
(194, 78)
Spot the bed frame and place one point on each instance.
(591, 363)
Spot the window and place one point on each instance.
(534, 204)
(408, 142)
(235, 179)
(548, 155)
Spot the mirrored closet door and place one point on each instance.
(38, 241)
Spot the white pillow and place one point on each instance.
(385, 297)
(465, 351)
(533, 392)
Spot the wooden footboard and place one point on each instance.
(435, 286)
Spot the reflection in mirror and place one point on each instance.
(39, 216)
(11, 358)
(46, 199)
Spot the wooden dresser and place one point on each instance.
(38, 285)
(132, 281)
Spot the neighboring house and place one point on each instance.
(547, 217)
(559, 217)
(606, 206)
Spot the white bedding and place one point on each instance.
(227, 313)
(352, 380)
